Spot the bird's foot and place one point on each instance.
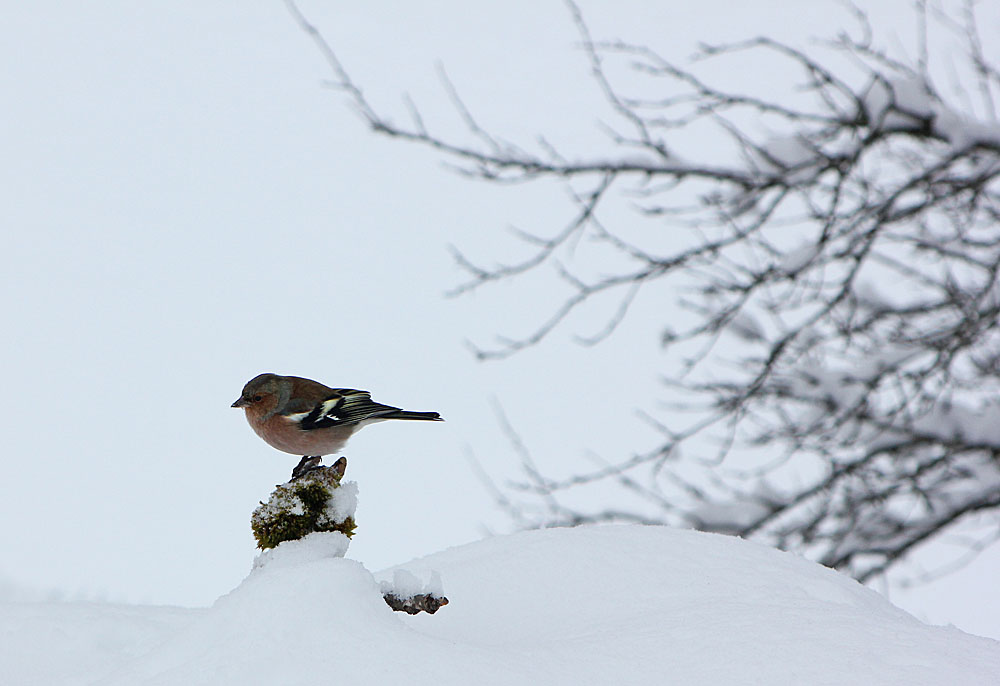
(307, 464)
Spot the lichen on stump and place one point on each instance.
(315, 501)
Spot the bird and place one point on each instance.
(304, 417)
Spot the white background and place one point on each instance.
(185, 205)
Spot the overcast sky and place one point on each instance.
(185, 205)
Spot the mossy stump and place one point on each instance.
(315, 501)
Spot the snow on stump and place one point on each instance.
(315, 501)
(406, 594)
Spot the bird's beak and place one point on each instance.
(240, 402)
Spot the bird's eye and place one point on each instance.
(256, 398)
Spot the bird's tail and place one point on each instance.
(406, 414)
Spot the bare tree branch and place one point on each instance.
(838, 381)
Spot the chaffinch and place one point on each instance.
(304, 417)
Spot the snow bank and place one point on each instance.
(599, 605)
(672, 606)
(63, 644)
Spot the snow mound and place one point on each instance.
(71, 644)
(596, 605)
(647, 605)
(316, 546)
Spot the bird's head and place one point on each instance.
(264, 395)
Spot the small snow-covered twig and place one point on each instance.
(415, 604)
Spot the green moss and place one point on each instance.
(300, 507)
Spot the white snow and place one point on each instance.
(795, 260)
(406, 584)
(596, 605)
(902, 102)
(871, 295)
(794, 156)
(897, 102)
(789, 151)
(746, 326)
(316, 546)
(343, 502)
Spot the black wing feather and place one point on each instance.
(345, 407)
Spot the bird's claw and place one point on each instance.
(307, 464)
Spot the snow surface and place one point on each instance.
(406, 584)
(596, 605)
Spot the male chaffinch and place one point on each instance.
(304, 417)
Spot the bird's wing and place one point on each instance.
(345, 406)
